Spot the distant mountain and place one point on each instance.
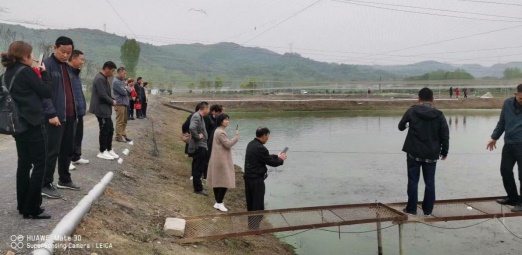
(181, 64)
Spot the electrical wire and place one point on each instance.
(511, 232)
(333, 231)
(490, 2)
(424, 13)
(453, 228)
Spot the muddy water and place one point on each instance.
(341, 158)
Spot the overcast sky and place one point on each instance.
(343, 31)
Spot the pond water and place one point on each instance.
(356, 157)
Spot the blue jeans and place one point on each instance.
(428, 173)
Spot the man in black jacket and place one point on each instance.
(62, 114)
(426, 142)
(256, 159)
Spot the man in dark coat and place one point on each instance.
(256, 159)
(210, 126)
(510, 124)
(427, 141)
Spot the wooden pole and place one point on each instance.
(379, 235)
(401, 241)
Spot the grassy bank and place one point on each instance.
(355, 105)
(147, 189)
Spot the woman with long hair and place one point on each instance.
(221, 173)
(28, 91)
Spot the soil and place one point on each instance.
(154, 184)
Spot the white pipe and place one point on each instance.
(71, 220)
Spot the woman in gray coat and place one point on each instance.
(221, 174)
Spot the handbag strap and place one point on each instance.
(12, 79)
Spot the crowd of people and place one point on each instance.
(51, 104)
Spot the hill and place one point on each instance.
(182, 64)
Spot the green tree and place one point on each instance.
(204, 84)
(130, 55)
(512, 73)
(218, 83)
(251, 84)
(191, 85)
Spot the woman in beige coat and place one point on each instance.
(221, 174)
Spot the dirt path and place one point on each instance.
(147, 189)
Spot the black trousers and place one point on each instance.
(511, 154)
(219, 194)
(60, 147)
(31, 147)
(131, 109)
(144, 109)
(106, 133)
(78, 137)
(255, 199)
(199, 166)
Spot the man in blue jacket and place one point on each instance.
(76, 62)
(510, 122)
(62, 112)
(427, 141)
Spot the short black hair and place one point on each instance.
(221, 118)
(109, 64)
(197, 108)
(426, 94)
(121, 68)
(216, 108)
(75, 54)
(63, 40)
(202, 105)
(145, 83)
(139, 79)
(519, 88)
(261, 131)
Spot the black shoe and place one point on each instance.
(131, 118)
(68, 185)
(42, 209)
(202, 192)
(51, 192)
(517, 208)
(409, 213)
(127, 139)
(119, 139)
(40, 216)
(506, 201)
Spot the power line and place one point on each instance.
(491, 2)
(121, 18)
(433, 9)
(283, 21)
(424, 13)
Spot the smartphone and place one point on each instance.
(40, 59)
(237, 126)
(285, 150)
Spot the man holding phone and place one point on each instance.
(256, 159)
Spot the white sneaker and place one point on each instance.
(113, 154)
(222, 207)
(105, 155)
(72, 167)
(216, 206)
(81, 161)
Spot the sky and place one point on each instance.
(363, 32)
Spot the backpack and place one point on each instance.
(185, 132)
(10, 121)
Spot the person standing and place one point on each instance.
(510, 123)
(451, 92)
(137, 88)
(427, 141)
(27, 91)
(457, 92)
(145, 99)
(221, 173)
(465, 90)
(76, 62)
(210, 126)
(121, 95)
(198, 147)
(132, 98)
(61, 111)
(256, 159)
(101, 106)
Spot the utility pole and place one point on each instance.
(105, 27)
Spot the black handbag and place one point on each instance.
(10, 121)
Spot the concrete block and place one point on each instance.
(174, 227)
